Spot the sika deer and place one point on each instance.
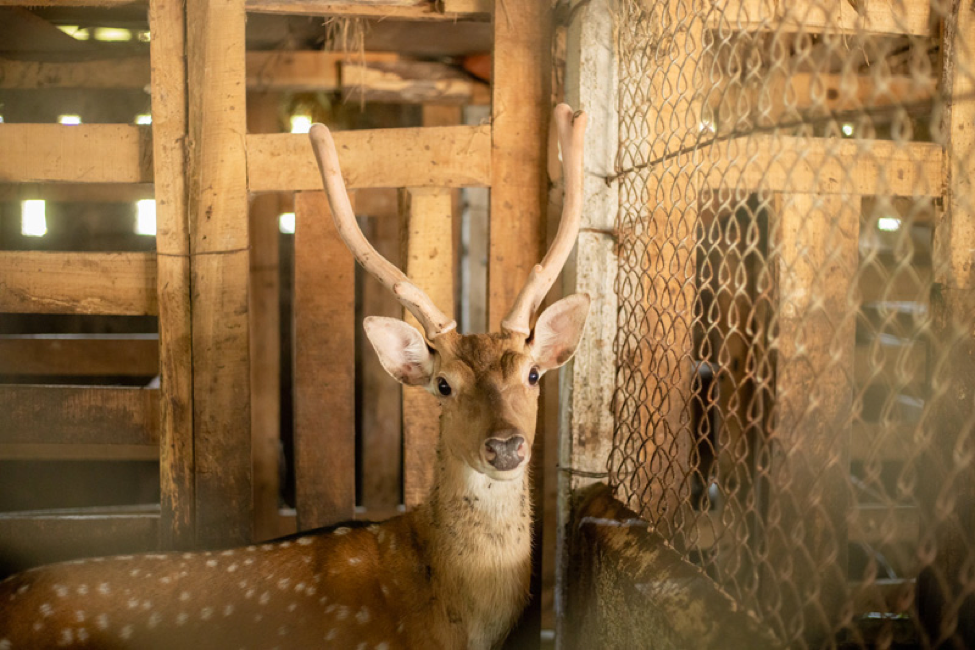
(452, 573)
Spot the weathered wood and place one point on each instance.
(30, 539)
(217, 206)
(479, 8)
(457, 156)
(895, 596)
(177, 464)
(587, 382)
(78, 283)
(411, 82)
(636, 591)
(324, 311)
(78, 192)
(71, 451)
(124, 72)
(948, 502)
(380, 418)
(88, 356)
(265, 347)
(83, 153)
(428, 254)
(417, 11)
(303, 70)
(883, 524)
(79, 415)
(815, 257)
(834, 16)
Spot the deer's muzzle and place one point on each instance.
(505, 454)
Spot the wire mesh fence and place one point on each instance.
(795, 394)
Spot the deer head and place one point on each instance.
(487, 384)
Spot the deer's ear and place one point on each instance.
(558, 331)
(401, 349)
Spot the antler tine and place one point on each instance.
(433, 321)
(571, 128)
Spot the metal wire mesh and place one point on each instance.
(796, 368)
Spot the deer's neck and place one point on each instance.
(479, 542)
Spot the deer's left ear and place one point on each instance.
(558, 330)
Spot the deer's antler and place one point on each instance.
(572, 128)
(434, 321)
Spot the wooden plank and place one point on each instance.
(123, 72)
(820, 166)
(78, 192)
(104, 356)
(217, 207)
(78, 283)
(588, 380)
(324, 310)
(167, 48)
(411, 82)
(265, 340)
(82, 153)
(481, 8)
(79, 415)
(427, 228)
(380, 418)
(70, 451)
(418, 11)
(830, 16)
(303, 70)
(816, 255)
(455, 156)
(882, 524)
(33, 538)
(636, 589)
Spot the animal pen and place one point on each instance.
(776, 385)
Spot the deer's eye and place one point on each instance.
(443, 387)
(533, 376)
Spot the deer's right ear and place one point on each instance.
(401, 349)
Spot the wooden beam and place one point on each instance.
(455, 156)
(220, 259)
(479, 8)
(30, 539)
(78, 283)
(324, 310)
(83, 153)
(83, 356)
(815, 244)
(415, 11)
(883, 524)
(906, 17)
(69, 451)
(78, 192)
(411, 82)
(167, 21)
(304, 70)
(427, 228)
(123, 72)
(79, 415)
(821, 166)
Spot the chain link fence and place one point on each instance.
(795, 393)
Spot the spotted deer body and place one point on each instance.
(452, 573)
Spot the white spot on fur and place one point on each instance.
(267, 547)
(362, 616)
(283, 583)
(392, 542)
(382, 646)
(38, 626)
(342, 530)
(330, 608)
(310, 591)
(292, 607)
(147, 605)
(79, 616)
(284, 544)
(381, 535)
(102, 621)
(181, 618)
(259, 618)
(283, 630)
(125, 557)
(126, 632)
(232, 568)
(165, 580)
(61, 591)
(5, 644)
(187, 556)
(82, 634)
(249, 561)
(385, 590)
(134, 573)
(104, 589)
(343, 613)
(66, 637)
(206, 613)
(331, 634)
(249, 594)
(227, 553)
(133, 603)
(154, 619)
(228, 610)
(305, 541)
(46, 609)
(23, 590)
(82, 590)
(355, 560)
(184, 596)
(361, 646)
(264, 598)
(211, 563)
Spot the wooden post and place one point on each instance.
(587, 383)
(814, 257)
(324, 367)
(427, 230)
(951, 496)
(176, 464)
(265, 336)
(217, 176)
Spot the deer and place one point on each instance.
(451, 573)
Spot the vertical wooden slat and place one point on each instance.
(176, 467)
(941, 589)
(380, 420)
(262, 117)
(815, 262)
(217, 176)
(428, 253)
(586, 414)
(324, 363)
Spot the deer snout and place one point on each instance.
(505, 453)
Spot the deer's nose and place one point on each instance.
(505, 453)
